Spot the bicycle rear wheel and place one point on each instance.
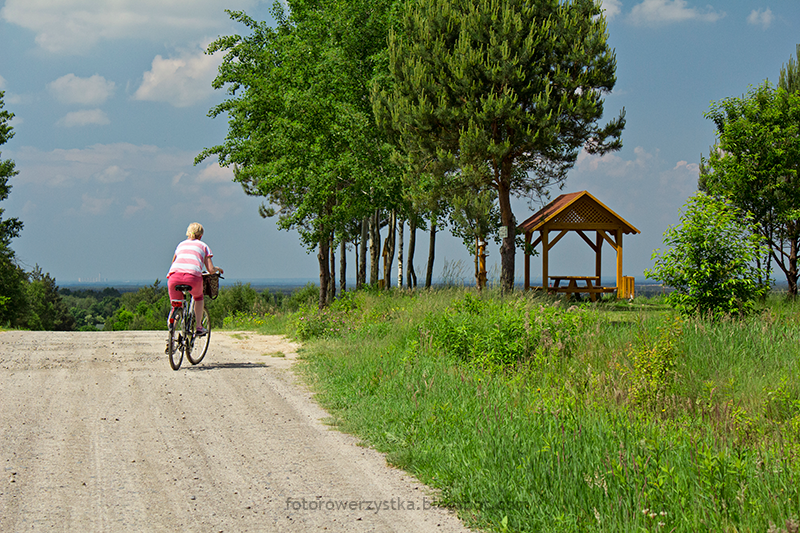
(175, 341)
(187, 326)
(200, 343)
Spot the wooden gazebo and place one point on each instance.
(582, 213)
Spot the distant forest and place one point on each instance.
(110, 309)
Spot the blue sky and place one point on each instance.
(111, 99)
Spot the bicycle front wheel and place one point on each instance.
(175, 341)
(201, 343)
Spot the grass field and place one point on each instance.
(528, 414)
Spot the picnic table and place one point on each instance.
(591, 285)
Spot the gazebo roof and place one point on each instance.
(576, 211)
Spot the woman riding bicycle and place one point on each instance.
(190, 257)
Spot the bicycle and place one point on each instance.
(183, 330)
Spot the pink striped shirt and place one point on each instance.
(190, 257)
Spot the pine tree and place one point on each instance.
(513, 87)
(789, 78)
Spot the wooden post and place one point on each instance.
(545, 250)
(619, 262)
(528, 260)
(598, 259)
(481, 264)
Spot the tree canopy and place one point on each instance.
(9, 227)
(755, 167)
(301, 131)
(12, 277)
(511, 91)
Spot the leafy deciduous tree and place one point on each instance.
(301, 132)
(12, 277)
(755, 167)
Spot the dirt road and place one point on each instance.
(97, 433)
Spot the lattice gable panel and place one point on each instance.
(584, 211)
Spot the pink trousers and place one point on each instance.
(185, 278)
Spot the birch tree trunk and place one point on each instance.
(400, 229)
(390, 241)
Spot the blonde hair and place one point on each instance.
(194, 231)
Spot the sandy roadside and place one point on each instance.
(97, 433)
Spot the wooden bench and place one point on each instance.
(591, 285)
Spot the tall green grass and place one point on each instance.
(525, 414)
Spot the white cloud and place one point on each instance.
(95, 206)
(652, 188)
(112, 174)
(71, 89)
(657, 12)
(611, 8)
(217, 209)
(117, 182)
(613, 165)
(29, 208)
(180, 81)
(214, 173)
(176, 179)
(761, 18)
(77, 166)
(75, 26)
(11, 99)
(140, 204)
(85, 117)
(690, 167)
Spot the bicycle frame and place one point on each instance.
(188, 304)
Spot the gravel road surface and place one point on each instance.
(97, 433)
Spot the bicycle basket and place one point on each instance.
(211, 285)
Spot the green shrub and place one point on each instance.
(710, 260)
(783, 403)
(499, 333)
(312, 323)
(239, 298)
(306, 296)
